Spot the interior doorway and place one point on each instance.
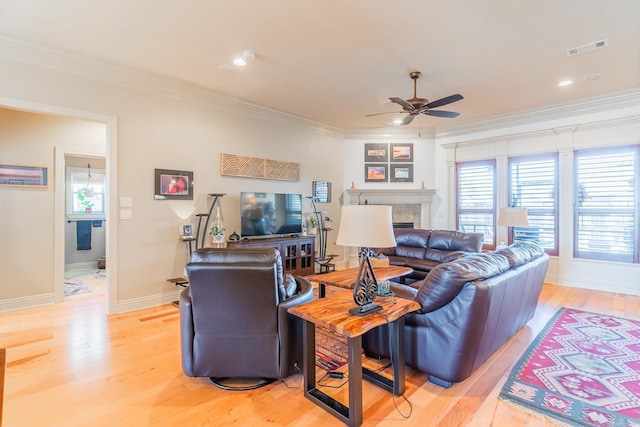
(57, 179)
(85, 226)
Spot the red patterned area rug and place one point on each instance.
(331, 350)
(582, 369)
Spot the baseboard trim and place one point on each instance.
(134, 304)
(26, 302)
(629, 289)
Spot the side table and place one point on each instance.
(332, 313)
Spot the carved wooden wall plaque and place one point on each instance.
(253, 167)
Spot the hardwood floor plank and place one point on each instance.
(70, 365)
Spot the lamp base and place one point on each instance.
(363, 310)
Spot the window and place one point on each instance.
(476, 198)
(85, 191)
(533, 184)
(606, 197)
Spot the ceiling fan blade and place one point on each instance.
(440, 113)
(408, 119)
(403, 103)
(388, 112)
(444, 101)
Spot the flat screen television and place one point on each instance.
(270, 214)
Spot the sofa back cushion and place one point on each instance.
(410, 242)
(445, 281)
(521, 252)
(451, 240)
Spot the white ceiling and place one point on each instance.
(334, 61)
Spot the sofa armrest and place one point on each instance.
(404, 291)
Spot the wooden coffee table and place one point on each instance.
(332, 313)
(346, 278)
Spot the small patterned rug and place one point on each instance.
(582, 369)
(331, 350)
(74, 287)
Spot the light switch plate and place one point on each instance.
(126, 202)
(126, 214)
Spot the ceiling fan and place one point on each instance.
(416, 106)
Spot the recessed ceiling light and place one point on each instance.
(240, 62)
(564, 83)
(593, 76)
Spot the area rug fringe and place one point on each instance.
(547, 419)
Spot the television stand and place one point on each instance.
(297, 253)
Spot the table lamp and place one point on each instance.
(512, 217)
(366, 226)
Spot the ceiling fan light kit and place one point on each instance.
(416, 106)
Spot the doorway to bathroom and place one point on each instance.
(85, 226)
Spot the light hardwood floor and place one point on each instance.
(71, 365)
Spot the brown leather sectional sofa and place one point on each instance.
(422, 250)
(469, 308)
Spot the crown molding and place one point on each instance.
(153, 83)
(601, 108)
(398, 133)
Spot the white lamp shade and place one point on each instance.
(367, 226)
(513, 217)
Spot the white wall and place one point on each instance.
(182, 132)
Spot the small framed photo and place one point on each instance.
(375, 173)
(187, 230)
(322, 191)
(401, 173)
(173, 184)
(24, 176)
(401, 153)
(376, 153)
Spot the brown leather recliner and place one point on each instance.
(233, 316)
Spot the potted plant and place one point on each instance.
(84, 201)
(312, 226)
(217, 233)
(327, 224)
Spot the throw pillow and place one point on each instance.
(290, 286)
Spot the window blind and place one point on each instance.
(533, 184)
(476, 199)
(606, 222)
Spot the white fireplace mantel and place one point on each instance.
(419, 196)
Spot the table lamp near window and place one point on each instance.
(366, 227)
(512, 217)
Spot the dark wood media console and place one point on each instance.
(298, 253)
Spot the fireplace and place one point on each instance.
(403, 225)
(411, 206)
(407, 207)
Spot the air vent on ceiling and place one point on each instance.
(587, 47)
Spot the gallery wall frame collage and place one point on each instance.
(388, 162)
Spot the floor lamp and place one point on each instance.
(366, 227)
(512, 217)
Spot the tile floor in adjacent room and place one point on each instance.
(94, 278)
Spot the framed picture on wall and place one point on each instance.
(376, 153)
(173, 184)
(401, 153)
(24, 176)
(322, 191)
(401, 173)
(375, 173)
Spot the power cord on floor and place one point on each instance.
(295, 365)
(323, 381)
(393, 396)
